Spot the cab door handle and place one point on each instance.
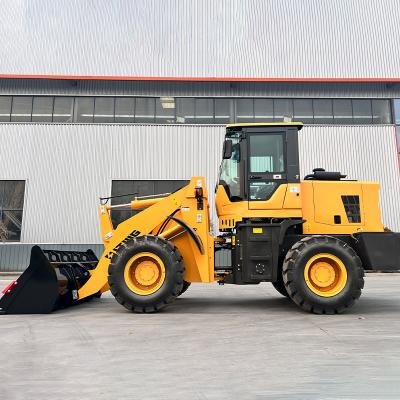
(254, 177)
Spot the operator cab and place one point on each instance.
(258, 158)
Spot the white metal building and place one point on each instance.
(100, 98)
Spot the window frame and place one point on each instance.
(14, 209)
(382, 110)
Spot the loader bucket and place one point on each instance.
(50, 282)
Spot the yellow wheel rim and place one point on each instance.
(325, 275)
(144, 273)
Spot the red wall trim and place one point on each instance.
(192, 79)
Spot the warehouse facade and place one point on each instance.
(87, 112)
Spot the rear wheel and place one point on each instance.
(323, 275)
(146, 274)
(279, 285)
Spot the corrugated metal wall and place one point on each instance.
(67, 168)
(203, 38)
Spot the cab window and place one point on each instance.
(229, 175)
(266, 154)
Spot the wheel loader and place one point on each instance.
(312, 238)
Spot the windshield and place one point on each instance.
(229, 170)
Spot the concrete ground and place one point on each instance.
(227, 342)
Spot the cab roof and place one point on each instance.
(249, 124)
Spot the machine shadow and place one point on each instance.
(198, 305)
(192, 305)
(217, 305)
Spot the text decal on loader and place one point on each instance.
(132, 235)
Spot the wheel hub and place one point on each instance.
(325, 275)
(147, 272)
(144, 273)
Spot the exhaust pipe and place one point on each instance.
(50, 282)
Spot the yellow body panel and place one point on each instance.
(199, 266)
(322, 200)
(293, 196)
(280, 205)
(317, 202)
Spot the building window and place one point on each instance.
(145, 110)
(84, 109)
(11, 207)
(192, 110)
(303, 111)
(63, 110)
(127, 190)
(165, 110)
(185, 111)
(104, 110)
(342, 111)
(283, 109)
(362, 112)
(223, 111)
(204, 111)
(42, 110)
(244, 110)
(5, 108)
(323, 111)
(125, 110)
(21, 109)
(263, 110)
(381, 112)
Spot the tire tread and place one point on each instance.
(114, 270)
(290, 271)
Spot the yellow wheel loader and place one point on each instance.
(312, 238)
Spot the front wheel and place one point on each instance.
(184, 287)
(146, 274)
(323, 275)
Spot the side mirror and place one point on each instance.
(227, 149)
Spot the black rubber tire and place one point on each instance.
(184, 287)
(279, 285)
(296, 286)
(169, 290)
